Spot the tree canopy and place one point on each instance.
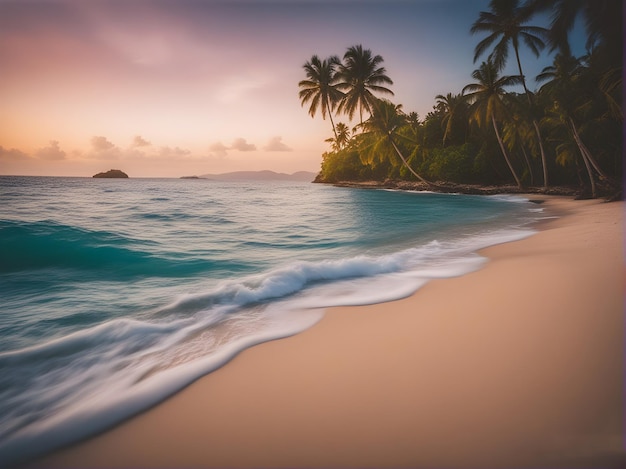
(486, 134)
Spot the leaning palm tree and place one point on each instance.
(487, 104)
(383, 124)
(453, 108)
(361, 76)
(505, 25)
(321, 88)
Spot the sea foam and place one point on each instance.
(84, 394)
(139, 290)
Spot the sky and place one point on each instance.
(176, 88)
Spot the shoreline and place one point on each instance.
(610, 194)
(440, 379)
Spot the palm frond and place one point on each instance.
(500, 54)
(535, 44)
(483, 45)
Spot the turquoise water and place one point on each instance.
(118, 293)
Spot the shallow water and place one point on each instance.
(117, 293)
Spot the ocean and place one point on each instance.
(117, 293)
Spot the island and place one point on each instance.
(112, 173)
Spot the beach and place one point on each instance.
(519, 364)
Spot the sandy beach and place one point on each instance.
(520, 364)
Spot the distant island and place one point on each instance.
(266, 175)
(112, 173)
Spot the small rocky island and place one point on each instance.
(112, 173)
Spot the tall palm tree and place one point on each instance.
(486, 97)
(383, 124)
(361, 76)
(506, 25)
(321, 87)
(453, 107)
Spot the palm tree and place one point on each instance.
(321, 88)
(453, 108)
(383, 125)
(486, 97)
(360, 76)
(506, 25)
(412, 130)
(602, 18)
(519, 134)
(413, 119)
(562, 85)
(342, 137)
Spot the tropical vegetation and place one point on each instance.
(568, 133)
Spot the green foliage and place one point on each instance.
(359, 76)
(454, 164)
(571, 128)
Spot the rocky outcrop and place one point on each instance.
(112, 173)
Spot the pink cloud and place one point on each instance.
(276, 144)
(51, 152)
(242, 145)
(13, 154)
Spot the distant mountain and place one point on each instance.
(304, 176)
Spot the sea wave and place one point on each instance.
(54, 393)
(112, 306)
(49, 245)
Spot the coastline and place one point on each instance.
(608, 193)
(517, 364)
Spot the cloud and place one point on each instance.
(99, 143)
(12, 154)
(241, 145)
(51, 152)
(139, 141)
(176, 152)
(102, 148)
(276, 144)
(218, 149)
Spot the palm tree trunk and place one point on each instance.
(584, 148)
(544, 164)
(330, 115)
(530, 168)
(446, 132)
(506, 156)
(584, 156)
(589, 172)
(395, 147)
(535, 124)
(521, 74)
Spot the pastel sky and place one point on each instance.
(172, 88)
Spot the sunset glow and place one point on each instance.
(168, 89)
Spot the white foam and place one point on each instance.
(117, 368)
(98, 412)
